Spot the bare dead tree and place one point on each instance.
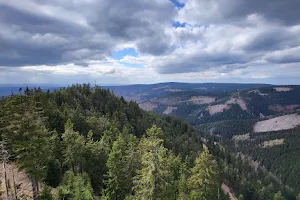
(4, 156)
(14, 182)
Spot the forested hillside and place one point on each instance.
(84, 142)
(81, 142)
(259, 123)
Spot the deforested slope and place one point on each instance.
(284, 122)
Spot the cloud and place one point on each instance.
(223, 11)
(229, 35)
(57, 32)
(74, 41)
(284, 56)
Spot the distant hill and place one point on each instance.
(9, 89)
(261, 121)
(142, 92)
(250, 129)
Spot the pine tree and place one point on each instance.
(75, 187)
(204, 182)
(278, 196)
(116, 183)
(121, 164)
(182, 183)
(95, 157)
(154, 180)
(27, 137)
(73, 148)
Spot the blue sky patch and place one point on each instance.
(118, 55)
(177, 3)
(178, 24)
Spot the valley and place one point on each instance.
(262, 122)
(252, 132)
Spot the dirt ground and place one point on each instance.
(22, 182)
(227, 190)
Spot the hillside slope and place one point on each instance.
(86, 141)
(259, 122)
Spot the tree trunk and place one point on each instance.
(35, 190)
(14, 182)
(5, 179)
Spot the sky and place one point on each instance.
(142, 41)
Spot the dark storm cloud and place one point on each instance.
(201, 61)
(218, 11)
(57, 32)
(271, 38)
(234, 34)
(285, 11)
(285, 56)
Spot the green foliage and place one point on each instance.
(74, 148)
(121, 161)
(282, 160)
(154, 179)
(27, 137)
(87, 141)
(54, 173)
(46, 194)
(248, 182)
(183, 191)
(228, 128)
(75, 187)
(204, 180)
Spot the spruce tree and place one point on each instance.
(154, 180)
(75, 187)
(121, 164)
(27, 137)
(204, 180)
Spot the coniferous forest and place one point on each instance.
(85, 142)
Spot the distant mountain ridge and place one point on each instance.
(157, 88)
(9, 89)
(258, 120)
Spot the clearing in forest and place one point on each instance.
(283, 89)
(284, 122)
(169, 110)
(226, 106)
